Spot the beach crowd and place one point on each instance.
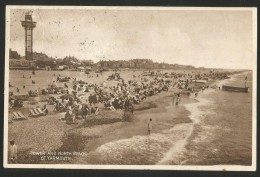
(79, 99)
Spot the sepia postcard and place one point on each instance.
(159, 88)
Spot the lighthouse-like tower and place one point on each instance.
(28, 25)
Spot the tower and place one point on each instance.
(28, 25)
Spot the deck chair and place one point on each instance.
(16, 116)
(40, 111)
(33, 113)
(19, 116)
(36, 111)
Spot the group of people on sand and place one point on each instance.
(74, 107)
(121, 96)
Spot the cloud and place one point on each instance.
(199, 38)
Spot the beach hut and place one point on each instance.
(62, 67)
(88, 68)
(200, 81)
(81, 69)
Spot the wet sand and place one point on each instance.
(115, 139)
(215, 128)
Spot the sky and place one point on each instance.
(202, 38)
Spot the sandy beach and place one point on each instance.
(108, 139)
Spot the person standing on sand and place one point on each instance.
(178, 98)
(13, 151)
(150, 126)
(132, 109)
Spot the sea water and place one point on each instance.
(223, 132)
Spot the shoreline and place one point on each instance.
(218, 130)
(184, 122)
(95, 136)
(88, 139)
(112, 131)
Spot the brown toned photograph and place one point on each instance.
(130, 88)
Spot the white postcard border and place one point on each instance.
(136, 167)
